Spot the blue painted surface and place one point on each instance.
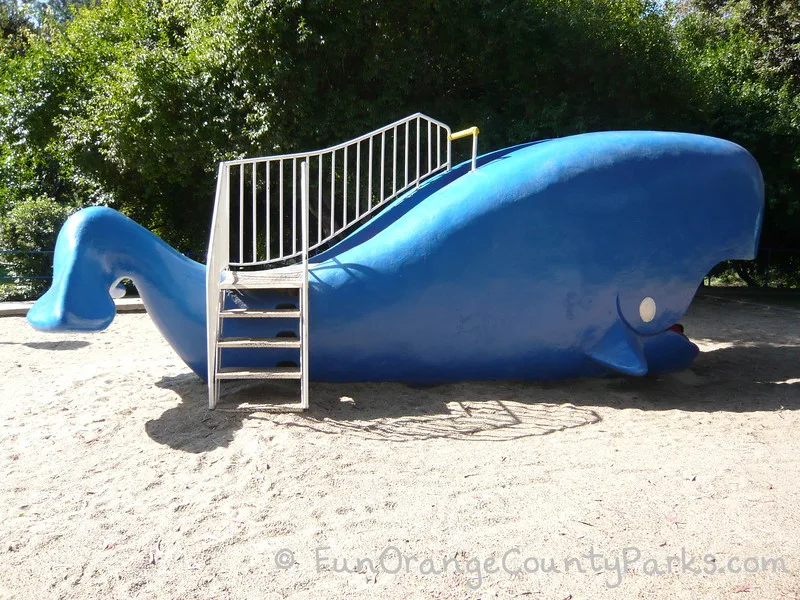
(96, 247)
(532, 267)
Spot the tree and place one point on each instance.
(745, 57)
(15, 25)
(144, 97)
(132, 103)
(35, 12)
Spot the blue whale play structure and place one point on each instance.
(558, 259)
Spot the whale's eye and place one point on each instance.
(647, 309)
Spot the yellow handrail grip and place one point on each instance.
(463, 133)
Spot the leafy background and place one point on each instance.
(132, 103)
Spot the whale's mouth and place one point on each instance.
(622, 348)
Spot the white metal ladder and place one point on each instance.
(292, 279)
(348, 183)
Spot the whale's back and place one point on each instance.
(511, 268)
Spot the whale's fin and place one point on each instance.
(620, 350)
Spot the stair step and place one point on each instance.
(262, 407)
(291, 277)
(243, 342)
(259, 373)
(275, 313)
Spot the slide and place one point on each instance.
(559, 259)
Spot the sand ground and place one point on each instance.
(117, 482)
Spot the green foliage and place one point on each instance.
(15, 27)
(746, 68)
(32, 12)
(31, 225)
(134, 102)
(131, 103)
(777, 269)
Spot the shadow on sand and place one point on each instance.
(54, 345)
(739, 378)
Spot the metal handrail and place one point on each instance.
(472, 131)
(341, 146)
(266, 181)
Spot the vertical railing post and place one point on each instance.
(280, 209)
(217, 259)
(294, 206)
(358, 180)
(241, 213)
(474, 148)
(304, 167)
(224, 251)
(254, 226)
(394, 162)
(417, 156)
(319, 198)
(405, 181)
(333, 192)
(305, 206)
(369, 176)
(430, 166)
(269, 207)
(383, 163)
(438, 147)
(449, 151)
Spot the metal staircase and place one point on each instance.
(292, 279)
(293, 205)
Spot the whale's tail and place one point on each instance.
(96, 248)
(79, 298)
